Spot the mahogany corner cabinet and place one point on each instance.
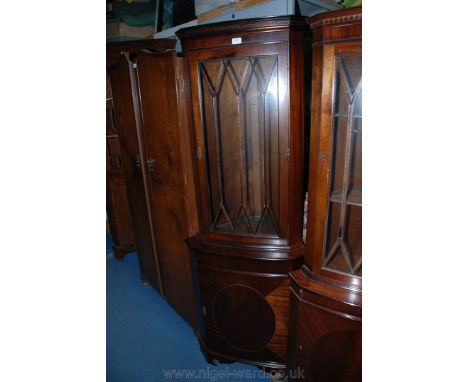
(248, 99)
(326, 302)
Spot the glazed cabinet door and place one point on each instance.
(343, 247)
(167, 174)
(133, 166)
(324, 345)
(337, 216)
(241, 118)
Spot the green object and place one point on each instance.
(351, 3)
(141, 20)
(167, 14)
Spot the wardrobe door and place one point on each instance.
(157, 74)
(120, 78)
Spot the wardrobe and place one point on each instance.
(326, 293)
(247, 81)
(149, 98)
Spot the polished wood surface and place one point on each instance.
(155, 141)
(118, 211)
(325, 325)
(325, 335)
(132, 165)
(168, 173)
(247, 87)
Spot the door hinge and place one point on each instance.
(204, 310)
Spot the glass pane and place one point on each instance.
(240, 110)
(343, 246)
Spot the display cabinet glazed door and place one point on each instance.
(239, 101)
(167, 173)
(343, 247)
(133, 167)
(243, 99)
(337, 183)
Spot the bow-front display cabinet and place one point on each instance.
(247, 87)
(325, 323)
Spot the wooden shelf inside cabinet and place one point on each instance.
(354, 197)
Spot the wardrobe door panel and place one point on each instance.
(132, 166)
(157, 74)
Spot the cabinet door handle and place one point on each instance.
(150, 165)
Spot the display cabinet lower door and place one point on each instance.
(325, 346)
(245, 312)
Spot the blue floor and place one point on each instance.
(148, 342)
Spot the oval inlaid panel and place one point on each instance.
(244, 317)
